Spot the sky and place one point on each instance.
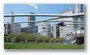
(36, 8)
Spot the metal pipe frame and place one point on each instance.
(50, 15)
(53, 21)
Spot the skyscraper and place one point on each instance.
(15, 27)
(31, 18)
(12, 23)
(12, 18)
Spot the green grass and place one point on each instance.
(42, 46)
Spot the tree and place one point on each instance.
(47, 39)
(40, 39)
(52, 40)
(17, 39)
(57, 40)
(62, 39)
(5, 39)
(31, 38)
(9, 38)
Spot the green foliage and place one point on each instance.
(11, 35)
(62, 39)
(42, 39)
(32, 38)
(52, 40)
(17, 39)
(8, 39)
(58, 39)
(5, 39)
(47, 39)
(21, 37)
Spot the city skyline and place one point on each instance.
(36, 8)
(59, 24)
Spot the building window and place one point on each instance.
(82, 19)
(61, 29)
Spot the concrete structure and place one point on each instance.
(46, 29)
(13, 28)
(31, 18)
(12, 18)
(17, 28)
(78, 8)
(66, 30)
(7, 28)
(31, 25)
(36, 30)
(56, 31)
(12, 23)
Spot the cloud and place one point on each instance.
(34, 5)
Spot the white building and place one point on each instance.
(68, 29)
(46, 29)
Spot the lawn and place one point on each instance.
(42, 46)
